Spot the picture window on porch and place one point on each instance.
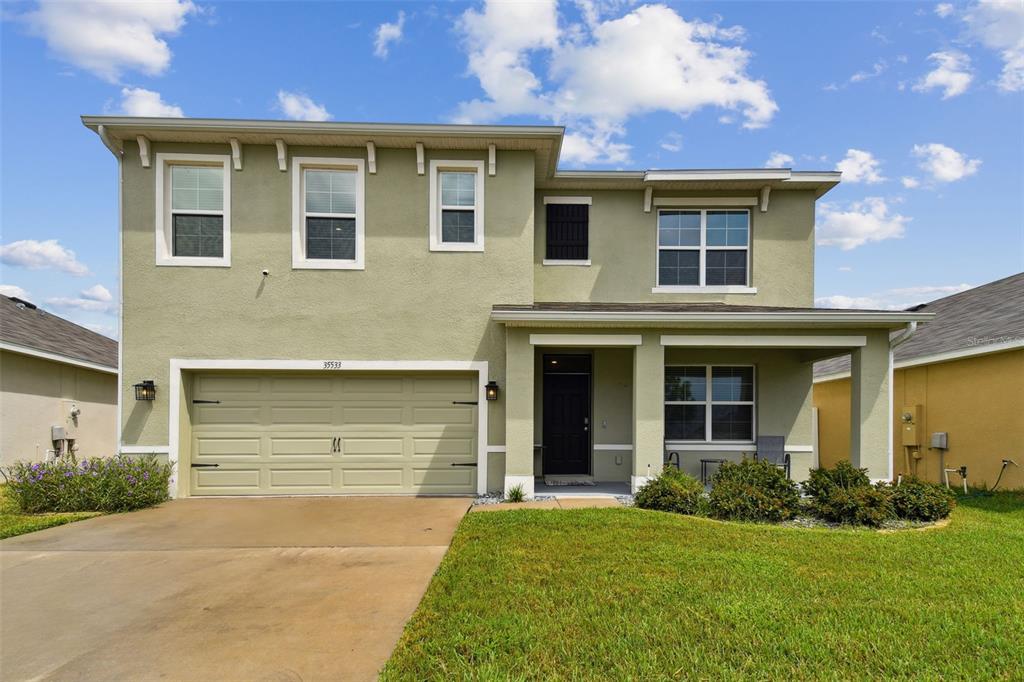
(725, 414)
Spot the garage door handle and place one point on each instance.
(465, 402)
(206, 402)
(463, 464)
(204, 466)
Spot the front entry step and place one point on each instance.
(568, 479)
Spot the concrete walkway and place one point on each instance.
(254, 589)
(557, 503)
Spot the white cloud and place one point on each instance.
(944, 9)
(864, 221)
(605, 72)
(14, 291)
(105, 329)
(42, 255)
(845, 268)
(142, 102)
(860, 166)
(593, 147)
(97, 292)
(779, 160)
(108, 37)
(892, 299)
(909, 182)
(95, 299)
(943, 163)
(952, 74)
(299, 107)
(388, 33)
(999, 26)
(877, 69)
(673, 142)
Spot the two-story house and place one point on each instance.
(318, 308)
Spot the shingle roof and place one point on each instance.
(25, 325)
(986, 314)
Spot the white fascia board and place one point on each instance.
(613, 447)
(719, 174)
(705, 202)
(850, 317)
(769, 341)
(568, 200)
(56, 357)
(619, 340)
(935, 358)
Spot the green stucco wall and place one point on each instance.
(408, 304)
(623, 252)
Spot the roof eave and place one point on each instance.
(882, 320)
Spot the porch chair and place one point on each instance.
(773, 449)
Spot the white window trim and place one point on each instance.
(435, 205)
(703, 248)
(588, 201)
(708, 402)
(556, 261)
(164, 250)
(299, 166)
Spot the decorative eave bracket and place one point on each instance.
(492, 160)
(419, 159)
(765, 193)
(144, 155)
(371, 158)
(236, 153)
(282, 155)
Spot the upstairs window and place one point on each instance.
(703, 248)
(456, 206)
(567, 231)
(725, 413)
(193, 210)
(327, 230)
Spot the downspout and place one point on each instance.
(897, 340)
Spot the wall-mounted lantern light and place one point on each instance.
(145, 390)
(491, 390)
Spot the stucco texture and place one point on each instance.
(623, 253)
(438, 304)
(978, 401)
(36, 394)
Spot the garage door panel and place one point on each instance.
(225, 414)
(372, 415)
(375, 477)
(226, 446)
(231, 480)
(301, 478)
(299, 433)
(318, 446)
(455, 414)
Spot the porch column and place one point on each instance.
(518, 411)
(648, 409)
(870, 411)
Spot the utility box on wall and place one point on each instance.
(912, 425)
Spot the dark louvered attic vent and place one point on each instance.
(568, 232)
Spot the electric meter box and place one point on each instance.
(911, 424)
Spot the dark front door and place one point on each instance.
(567, 415)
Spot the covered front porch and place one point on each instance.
(604, 403)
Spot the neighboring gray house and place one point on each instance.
(58, 386)
(315, 308)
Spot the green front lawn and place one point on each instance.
(13, 522)
(631, 594)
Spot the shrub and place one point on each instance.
(753, 490)
(865, 505)
(843, 475)
(671, 491)
(516, 494)
(100, 484)
(917, 500)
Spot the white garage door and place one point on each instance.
(316, 433)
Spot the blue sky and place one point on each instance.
(920, 104)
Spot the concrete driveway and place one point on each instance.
(248, 589)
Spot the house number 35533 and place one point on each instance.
(332, 364)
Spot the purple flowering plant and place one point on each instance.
(108, 484)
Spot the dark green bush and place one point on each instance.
(100, 484)
(864, 505)
(753, 490)
(917, 500)
(672, 491)
(844, 494)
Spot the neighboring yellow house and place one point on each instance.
(961, 374)
(58, 386)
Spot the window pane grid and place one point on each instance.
(719, 238)
(726, 413)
